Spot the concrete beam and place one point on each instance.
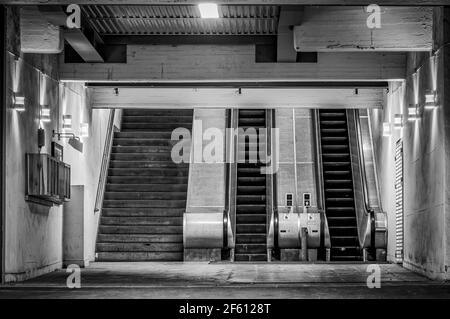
(37, 35)
(233, 63)
(345, 29)
(235, 2)
(289, 17)
(231, 98)
(77, 38)
(82, 45)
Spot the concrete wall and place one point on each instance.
(296, 173)
(425, 209)
(34, 233)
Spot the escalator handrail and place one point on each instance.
(325, 233)
(362, 165)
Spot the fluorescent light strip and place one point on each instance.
(208, 10)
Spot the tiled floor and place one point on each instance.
(229, 280)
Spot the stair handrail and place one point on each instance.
(325, 241)
(105, 162)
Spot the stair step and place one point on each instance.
(158, 112)
(140, 247)
(149, 171)
(145, 195)
(147, 180)
(155, 156)
(251, 218)
(144, 135)
(251, 249)
(152, 119)
(140, 238)
(345, 241)
(338, 190)
(134, 229)
(140, 256)
(108, 203)
(251, 181)
(141, 149)
(250, 257)
(129, 188)
(335, 209)
(144, 142)
(334, 139)
(342, 231)
(341, 221)
(258, 209)
(252, 113)
(251, 228)
(342, 156)
(147, 164)
(251, 238)
(250, 199)
(255, 190)
(129, 221)
(144, 212)
(337, 173)
(152, 127)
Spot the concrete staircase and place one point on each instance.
(145, 196)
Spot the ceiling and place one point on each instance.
(124, 20)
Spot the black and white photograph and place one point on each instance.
(224, 156)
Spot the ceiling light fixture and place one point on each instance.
(387, 131)
(208, 10)
(84, 129)
(430, 100)
(398, 121)
(67, 122)
(413, 113)
(45, 114)
(18, 102)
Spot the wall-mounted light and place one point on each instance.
(45, 114)
(208, 10)
(398, 121)
(18, 102)
(84, 129)
(413, 113)
(387, 131)
(430, 100)
(67, 122)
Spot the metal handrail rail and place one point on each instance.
(105, 162)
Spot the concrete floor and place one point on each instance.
(229, 280)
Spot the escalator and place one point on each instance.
(339, 190)
(251, 205)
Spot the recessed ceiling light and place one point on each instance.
(208, 10)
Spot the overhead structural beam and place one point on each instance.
(244, 98)
(345, 29)
(82, 45)
(289, 17)
(235, 2)
(37, 35)
(77, 38)
(225, 63)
